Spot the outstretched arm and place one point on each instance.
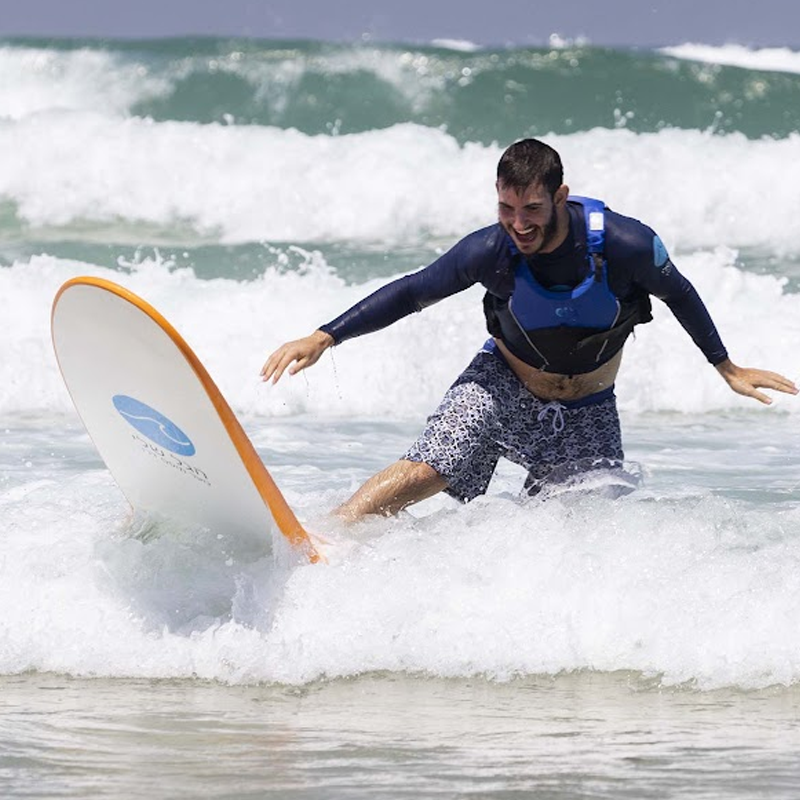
(301, 352)
(477, 255)
(747, 381)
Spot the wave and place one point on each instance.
(78, 175)
(477, 95)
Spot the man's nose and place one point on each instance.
(520, 221)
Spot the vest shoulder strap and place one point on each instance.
(595, 219)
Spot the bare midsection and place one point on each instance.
(550, 386)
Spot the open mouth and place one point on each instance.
(527, 235)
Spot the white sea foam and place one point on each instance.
(697, 589)
(405, 183)
(459, 45)
(33, 80)
(233, 326)
(768, 59)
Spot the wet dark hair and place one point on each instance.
(527, 162)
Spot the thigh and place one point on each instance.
(460, 438)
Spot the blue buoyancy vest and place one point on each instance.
(591, 304)
(571, 330)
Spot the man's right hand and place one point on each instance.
(301, 353)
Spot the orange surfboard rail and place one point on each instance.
(281, 512)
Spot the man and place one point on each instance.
(566, 281)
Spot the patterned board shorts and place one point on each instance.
(488, 413)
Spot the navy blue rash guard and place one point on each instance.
(638, 266)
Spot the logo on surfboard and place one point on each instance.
(154, 425)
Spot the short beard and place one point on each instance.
(550, 229)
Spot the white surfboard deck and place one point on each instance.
(161, 425)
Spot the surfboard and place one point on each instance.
(159, 422)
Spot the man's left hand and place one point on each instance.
(747, 381)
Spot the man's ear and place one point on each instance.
(561, 195)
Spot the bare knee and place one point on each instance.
(399, 485)
(419, 473)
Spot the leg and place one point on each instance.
(455, 453)
(392, 489)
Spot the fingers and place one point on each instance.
(761, 397)
(748, 381)
(747, 387)
(765, 379)
(277, 363)
(295, 356)
(780, 383)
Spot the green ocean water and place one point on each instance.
(482, 95)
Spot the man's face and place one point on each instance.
(530, 218)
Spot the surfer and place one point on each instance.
(567, 279)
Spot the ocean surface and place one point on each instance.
(577, 646)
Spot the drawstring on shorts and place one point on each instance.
(558, 414)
